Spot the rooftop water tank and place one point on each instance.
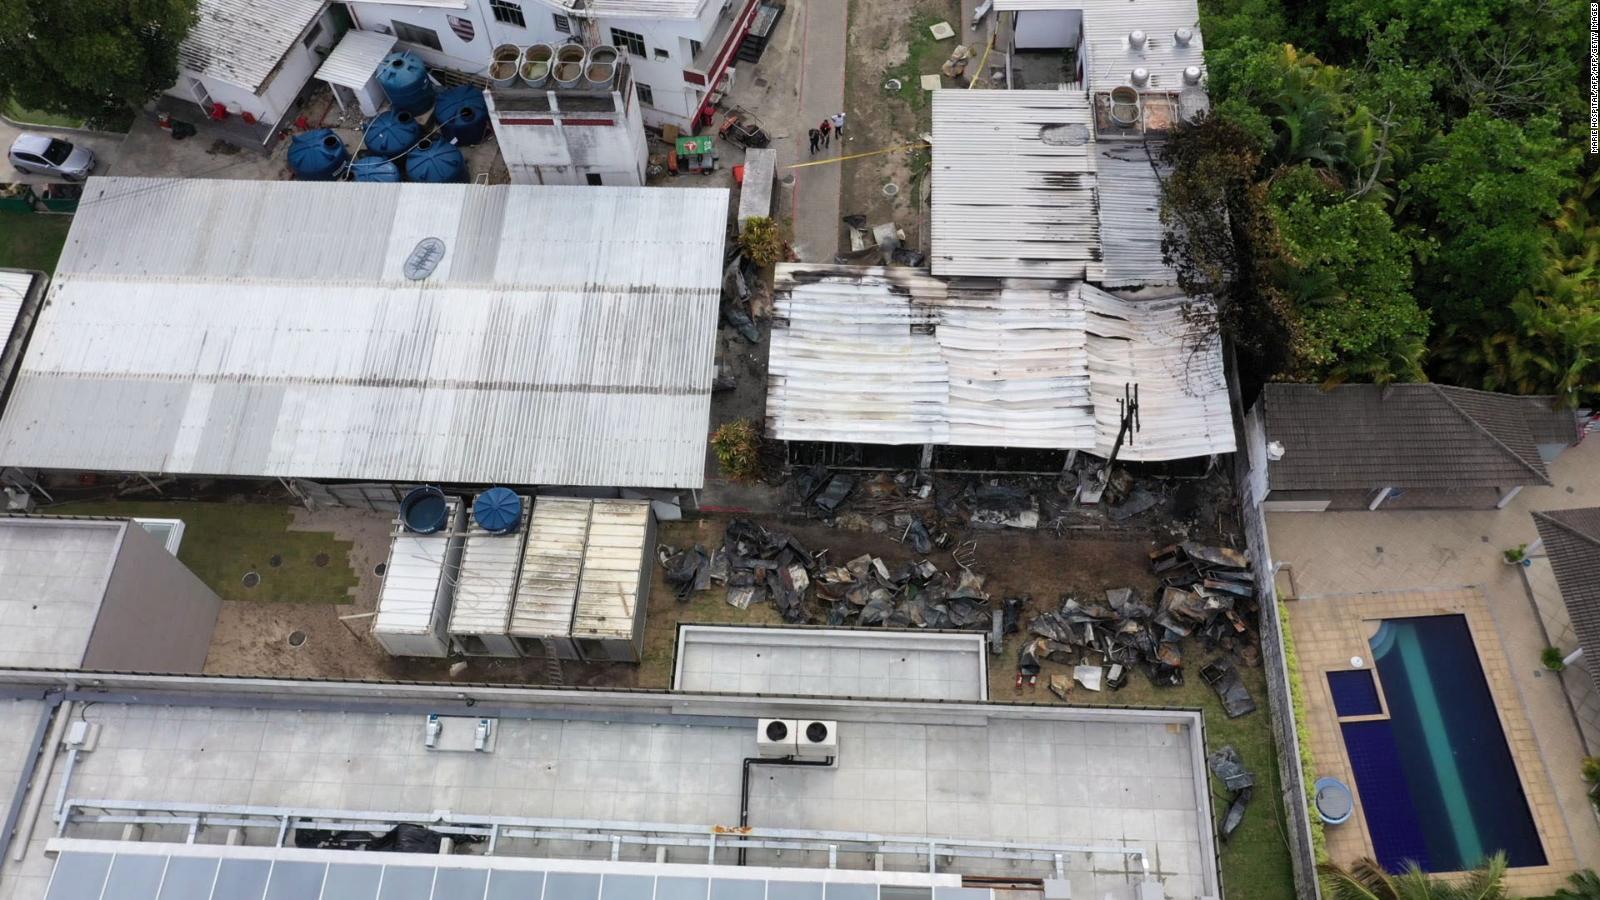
(405, 79)
(375, 168)
(317, 155)
(498, 510)
(393, 133)
(424, 510)
(436, 162)
(535, 70)
(462, 115)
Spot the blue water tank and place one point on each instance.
(405, 79)
(424, 510)
(393, 133)
(317, 155)
(436, 162)
(462, 114)
(498, 510)
(375, 168)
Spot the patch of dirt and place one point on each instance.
(888, 39)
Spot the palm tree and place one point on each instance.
(1366, 880)
(1585, 886)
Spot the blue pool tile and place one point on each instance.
(1355, 693)
(1385, 796)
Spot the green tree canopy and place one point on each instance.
(90, 58)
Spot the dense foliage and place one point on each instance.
(91, 58)
(1395, 190)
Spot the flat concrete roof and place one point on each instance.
(1091, 782)
(54, 574)
(831, 662)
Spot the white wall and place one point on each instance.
(471, 57)
(539, 149)
(1047, 29)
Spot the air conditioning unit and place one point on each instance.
(775, 738)
(818, 739)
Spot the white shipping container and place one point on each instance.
(418, 581)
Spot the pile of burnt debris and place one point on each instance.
(757, 564)
(1240, 783)
(1183, 507)
(1206, 593)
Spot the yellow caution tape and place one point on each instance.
(839, 159)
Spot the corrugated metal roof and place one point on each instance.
(615, 554)
(895, 356)
(212, 327)
(1128, 178)
(1013, 184)
(418, 564)
(1109, 58)
(552, 563)
(355, 59)
(242, 41)
(490, 565)
(14, 287)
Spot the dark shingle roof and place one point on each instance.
(1572, 541)
(1362, 436)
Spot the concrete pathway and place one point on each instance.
(814, 42)
(1352, 552)
(107, 148)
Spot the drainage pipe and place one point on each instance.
(744, 783)
(37, 774)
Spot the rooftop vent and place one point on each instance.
(1141, 76)
(1136, 39)
(1275, 450)
(1183, 36)
(1191, 75)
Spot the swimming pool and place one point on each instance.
(1437, 782)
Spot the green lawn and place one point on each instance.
(223, 541)
(34, 117)
(32, 240)
(1255, 863)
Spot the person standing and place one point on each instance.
(838, 126)
(827, 130)
(816, 141)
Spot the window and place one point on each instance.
(662, 54)
(563, 25)
(312, 35)
(508, 12)
(594, 178)
(412, 34)
(645, 97)
(694, 49)
(633, 42)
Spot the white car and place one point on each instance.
(44, 155)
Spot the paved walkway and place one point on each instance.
(808, 60)
(106, 148)
(1354, 552)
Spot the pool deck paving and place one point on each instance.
(1342, 567)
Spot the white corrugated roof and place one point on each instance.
(615, 556)
(894, 356)
(242, 41)
(14, 287)
(552, 563)
(418, 564)
(490, 564)
(1013, 184)
(259, 328)
(1128, 178)
(355, 59)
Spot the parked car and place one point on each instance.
(43, 155)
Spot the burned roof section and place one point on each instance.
(1357, 437)
(1572, 541)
